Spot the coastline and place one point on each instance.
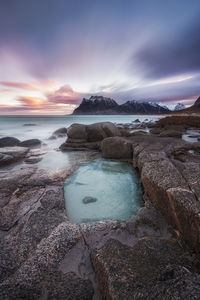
(59, 256)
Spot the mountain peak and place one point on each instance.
(179, 106)
(103, 105)
(197, 102)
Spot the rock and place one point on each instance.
(170, 133)
(82, 136)
(77, 131)
(125, 132)
(139, 132)
(9, 142)
(32, 160)
(151, 269)
(116, 147)
(89, 199)
(99, 131)
(61, 132)
(30, 143)
(156, 130)
(166, 184)
(9, 155)
(137, 121)
(29, 124)
(184, 120)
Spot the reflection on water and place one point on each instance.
(101, 190)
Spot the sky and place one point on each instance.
(55, 52)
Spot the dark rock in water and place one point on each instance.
(9, 142)
(61, 132)
(152, 269)
(30, 143)
(137, 121)
(32, 160)
(89, 199)
(29, 124)
(9, 155)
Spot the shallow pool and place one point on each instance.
(102, 190)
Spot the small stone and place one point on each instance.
(89, 199)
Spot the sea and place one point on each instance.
(42, 127)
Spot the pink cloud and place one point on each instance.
(18, 85)
(64, 95)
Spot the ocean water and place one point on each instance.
(112, 187)
(43, 126)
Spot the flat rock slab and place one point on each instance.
(11, 154)
(152, 269)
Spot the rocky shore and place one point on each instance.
(154, 255)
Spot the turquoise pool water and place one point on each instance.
(102, 190)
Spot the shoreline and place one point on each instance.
(60, 256)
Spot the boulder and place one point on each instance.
(9, 141)
(77, 131)
(30, 143)
(116, 147)
(88, 136)
(61, 132)
(125, 132)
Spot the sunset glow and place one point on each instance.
(51, 60)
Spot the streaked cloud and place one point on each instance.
(18, 85)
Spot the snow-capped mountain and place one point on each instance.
(103, 105)
(179, 106)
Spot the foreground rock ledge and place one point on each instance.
(170, 175)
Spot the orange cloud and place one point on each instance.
(31, 102)
(19, 85)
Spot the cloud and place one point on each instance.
(65, 95)
(31, 102)
(169, 56)
(18, 85)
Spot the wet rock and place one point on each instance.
(137, 121)
(137, 133)
(164, 179)
(29, 124)
(116, 147)
(88, 136)
(184, 120)
(61, 132)
(30, 143)
(125, 132)
(89, 199)
(149, 270)
(9, 141)
(170, 133)
(9, 155)
(156, 130)
(33, 160)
